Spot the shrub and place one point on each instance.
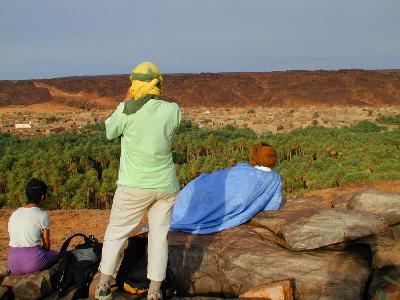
(316, 114)
(81, 169)
(395, 120)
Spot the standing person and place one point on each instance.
(147, 177)
(29, 230)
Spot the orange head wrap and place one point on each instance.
(263, 155)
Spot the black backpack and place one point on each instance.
(132, 274)
(76, 268)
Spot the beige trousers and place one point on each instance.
(128, 208)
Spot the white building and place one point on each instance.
(23, 126)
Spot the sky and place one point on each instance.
(56, 38)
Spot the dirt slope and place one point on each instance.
(279, 89)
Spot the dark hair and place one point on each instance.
(35, 189)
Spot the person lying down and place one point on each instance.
(229, 197)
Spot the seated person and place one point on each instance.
(229, 197)
(29, 232)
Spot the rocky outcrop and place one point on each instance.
(375, 202)
(5, 293)
(236, 260)
(281, 290)
(323, 227)
(312, 248)
(336, 251)
(3, 270)
(385, 265)
(391, 292)
(31, 286)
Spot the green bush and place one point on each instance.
(81, 169)
(395, 120)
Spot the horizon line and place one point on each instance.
(200, 73)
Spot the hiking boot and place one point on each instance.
(154, 295)
(103, 293)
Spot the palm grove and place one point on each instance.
(81, 169)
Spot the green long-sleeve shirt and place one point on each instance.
(146, 159)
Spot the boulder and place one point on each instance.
(69, 296)
(385, 264)
(5, 293)
(385, 251)
(30, 286)
(390, 292)
(395, 231)
(273, 221)
(302, 203)
(234, 261)
(3, 270)
(281, 290)
(373, 201)
(317, 228)
(199, 298)
(342, 200)
(293, 208)
(381, 279)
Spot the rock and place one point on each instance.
(380, 277)
(30, 286)
(385, 251)
(93, 285)
(3, 270)
(281, 290)
(293, 208)
(274, 221)
(323, 227)
(236, 260)
(267, 235)
(395, 231)
(10, 280)
(69, 296)
(5, 293)
(385, 264)
(303, 203)
(375, 202)
(341, 201)
(199, 298)
(391, 292)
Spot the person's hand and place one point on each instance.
(128, 96)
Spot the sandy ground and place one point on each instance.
(52, 108)
(65, 222)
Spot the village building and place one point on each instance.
(23, 126)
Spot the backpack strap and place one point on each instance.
(88, 239)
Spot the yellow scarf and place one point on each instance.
(146, 79)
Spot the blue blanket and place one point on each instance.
(226, 198)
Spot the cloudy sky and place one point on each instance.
(54, 38)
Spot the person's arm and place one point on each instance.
(116, 123)
(46, 239)
(45, 232)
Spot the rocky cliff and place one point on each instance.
(284, 89)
